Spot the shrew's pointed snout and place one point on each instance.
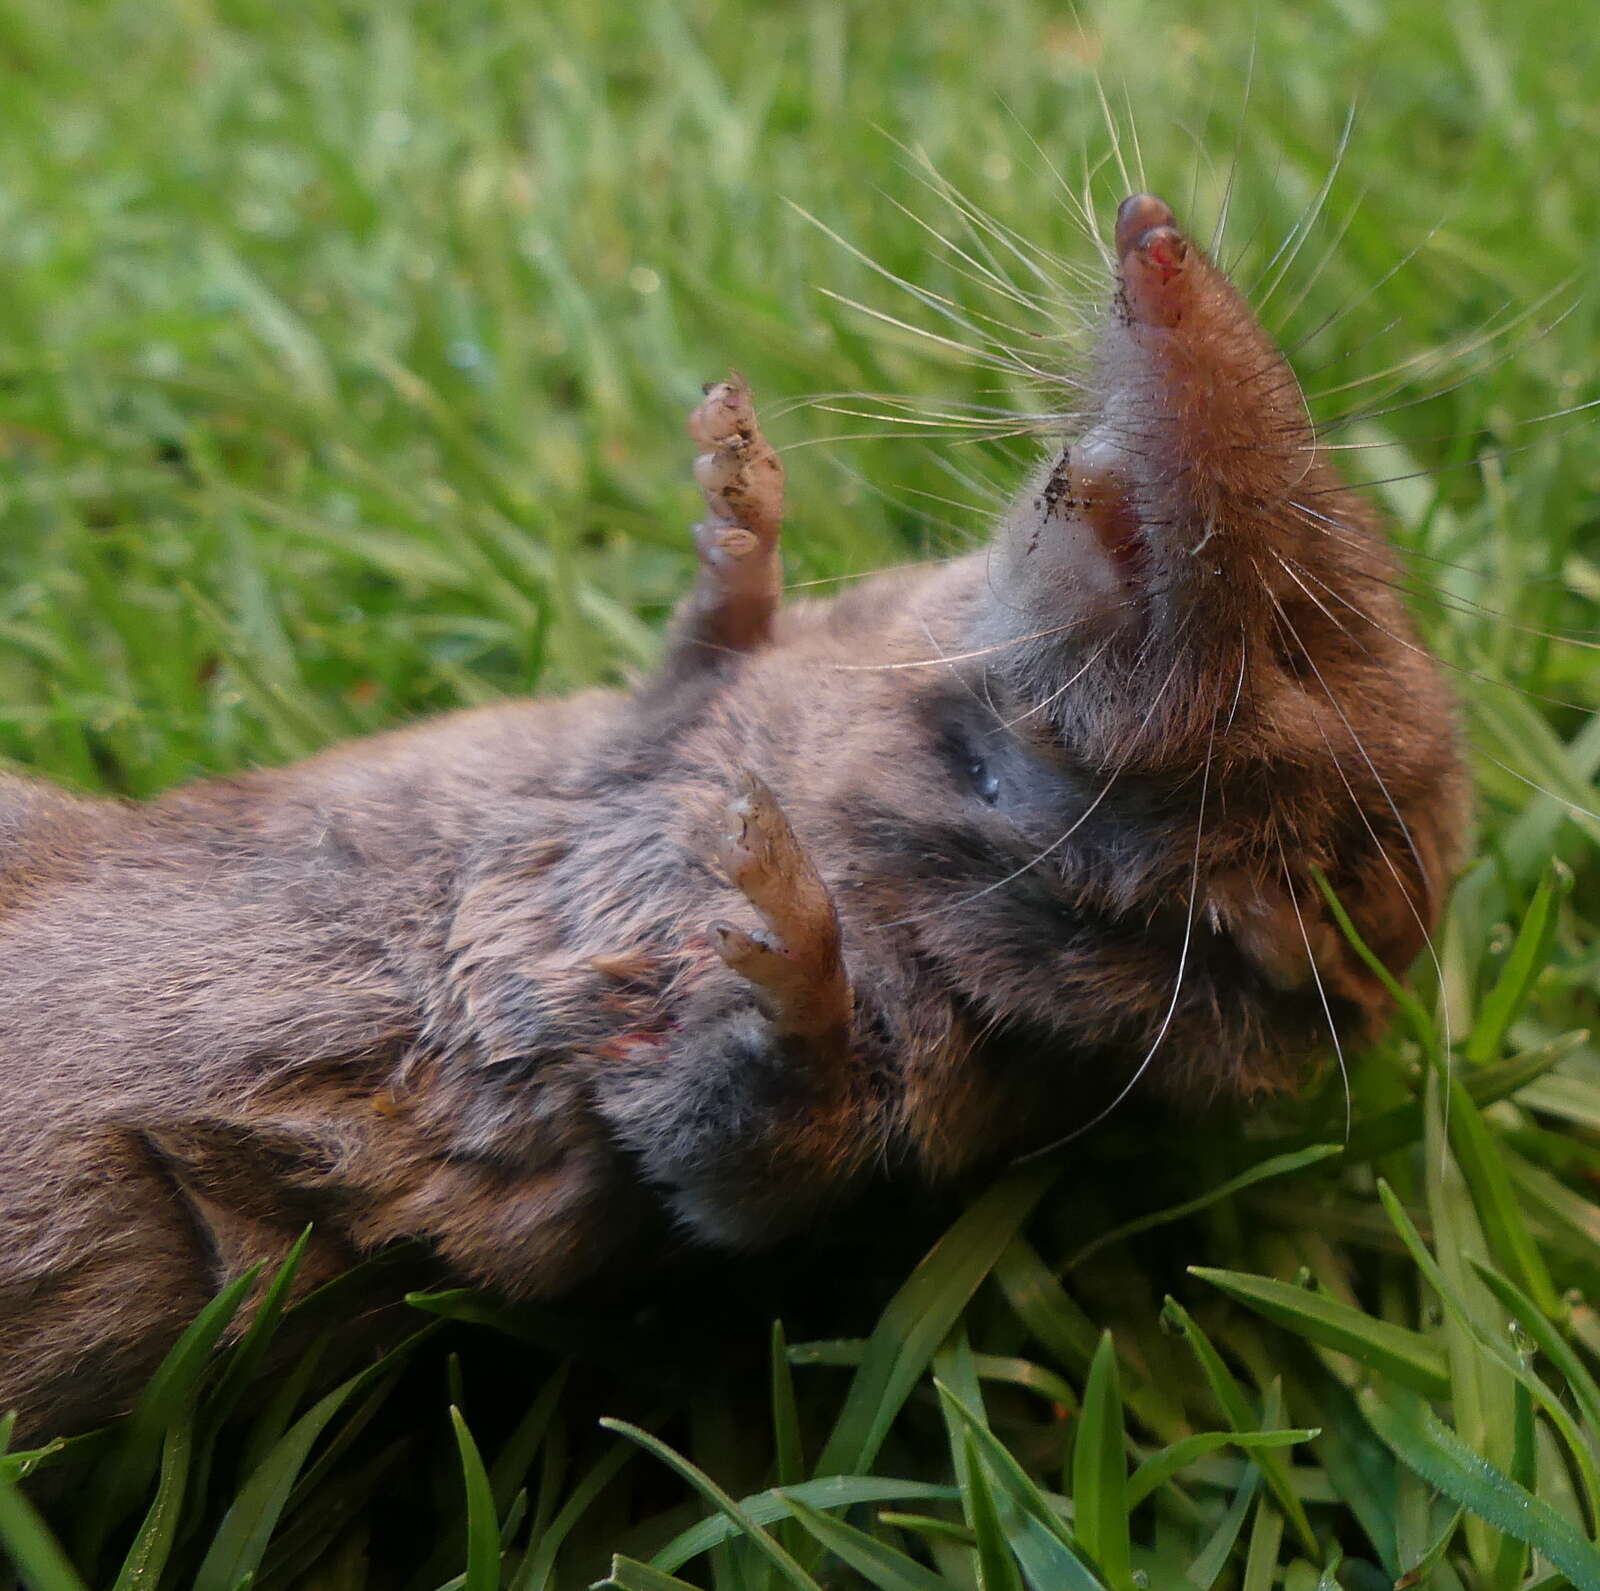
(1196, 436)
(1137, 214)
(1153, 258)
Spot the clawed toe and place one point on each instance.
(720, 543)
(738, 474)
(795, 962)
(727, 412)
(736, 596)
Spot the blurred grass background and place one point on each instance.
(344, 353)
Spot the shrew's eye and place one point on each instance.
(984, 782)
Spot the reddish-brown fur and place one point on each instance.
(509, 983)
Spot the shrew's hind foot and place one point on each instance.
(741, 572)
(795, 961)
(739, 475)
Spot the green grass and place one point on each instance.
(344, 350)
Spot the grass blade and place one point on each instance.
(878, 1564)
(771, 1507)
(245, 1360)
(1236, 1406)
(1550, 1342)
(1055, 1318)
(247, 1529)
(537, 1569)
(1405, 1001)
(147, 1557)
(1529, 953)
(785, 1414)
(920, 1316)
(1424, 1443)
(1489, 1346)
(1283, 1165)
(1047, 1563)
(1261, 1557)
(1160, 1467)
(1407, 1356)
(514, 1460)
(129, 1468)
(36, 1553)
(1100, 1472)
(483, 1528)
(714, 1494)
(629, 1575)
(997, 1569)
(1016, 1488)
(1505, 1226)
(1213, 1557)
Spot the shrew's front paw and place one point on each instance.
(794, 961)
(750, 1113)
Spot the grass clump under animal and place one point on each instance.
(343, 356)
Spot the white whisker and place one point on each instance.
(1049, 850)
(1183, 961)
(1378, 779)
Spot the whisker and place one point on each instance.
(1056, 844)
(961, 535)
(1285, 317)
(1456, 464)
(1238, 690)
(1576, 808)
(1422, 651)
(956, 657)
(1452, 353)
(1133, 133)
(1078, 207)
(1368, 292)
(982, 357)
(982, 510)
(982, 275)
(860, 574)
(959, 438)
(1316, 978)
(1238, 149)
(1061, 690)
(1471, 374)
(1332, 527)
(955, 407)
(1114, 132)
(1183, 960)
(937, 302)
(1302, 228)
(1010, 424)
(1355, 739)
(1030, 255)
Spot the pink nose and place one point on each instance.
(1153, 254)
(1137, 214)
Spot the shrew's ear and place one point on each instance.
(1396, 895)
(1393, 900)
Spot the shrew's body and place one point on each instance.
(930, 873)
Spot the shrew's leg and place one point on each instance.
(760, 1107)
(740, 581)
(794, 961)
